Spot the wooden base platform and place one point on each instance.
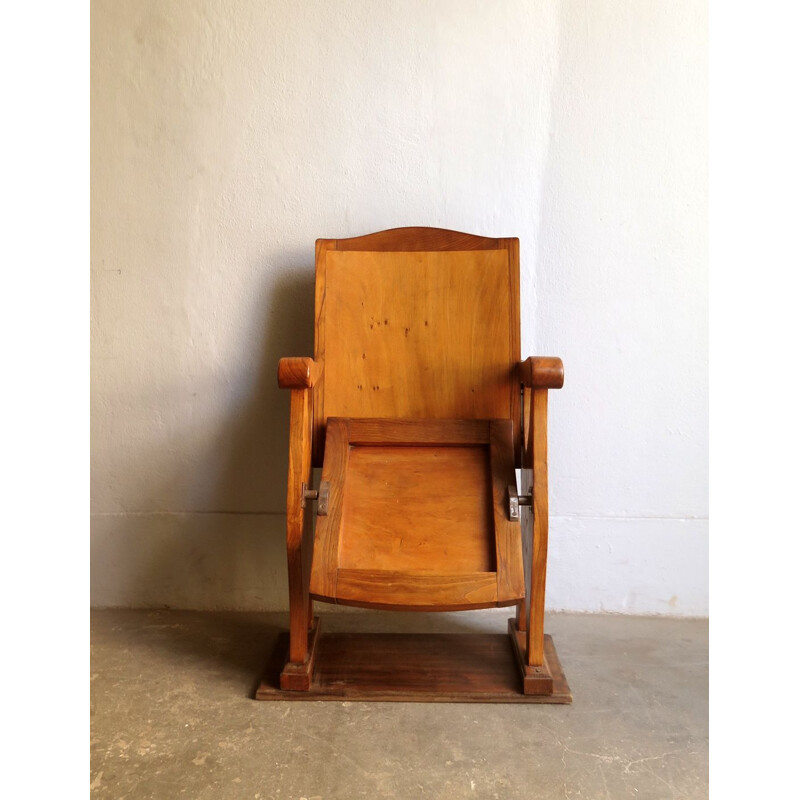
(420, 668)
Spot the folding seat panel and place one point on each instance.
(417, 515)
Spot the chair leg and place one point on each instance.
(527, 630)
(537, 678)
(526, 530)
(297, 675)
(303, 632)
(540, 528)
(521, 620)
(300, 622)
(303, 637)
(303, 626)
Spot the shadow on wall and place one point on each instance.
(224, 548)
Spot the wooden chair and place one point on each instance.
(418, 409)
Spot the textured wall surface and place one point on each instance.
(228, 136)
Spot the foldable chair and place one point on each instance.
(419, 410)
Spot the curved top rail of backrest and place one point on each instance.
(415, 240)
(416, 323)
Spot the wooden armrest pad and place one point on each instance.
(298, 373)
(542, 372)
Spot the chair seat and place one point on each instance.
(417, 516)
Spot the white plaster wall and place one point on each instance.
(227, 136)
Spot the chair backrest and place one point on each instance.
(416, 323)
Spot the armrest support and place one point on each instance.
(541, 372)
(537, 375)
(298, 373)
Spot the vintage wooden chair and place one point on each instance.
(418, 409)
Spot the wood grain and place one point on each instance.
(419, 432)
(418, 509)
(412, 407)
(325, 561)
(298, 373)
(542, 372)
(525, 515)
(393, 334)
(539, 507)
(535, 679)
(296, 675)
(418, 526)
(298, 522)
(421, 668)
(507, 532)
(417, 239)
(416, 591)
(403, 346)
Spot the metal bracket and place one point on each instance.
(514, 501)
(321, 495)
(322, 501)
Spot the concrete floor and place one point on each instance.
(172, 716)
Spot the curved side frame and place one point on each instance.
(299, 375)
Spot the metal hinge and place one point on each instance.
(321, 495)
(515, 501)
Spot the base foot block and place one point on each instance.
(297, 677)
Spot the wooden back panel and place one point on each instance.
(416, 323)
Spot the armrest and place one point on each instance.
(541, 372)
(298, 373)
